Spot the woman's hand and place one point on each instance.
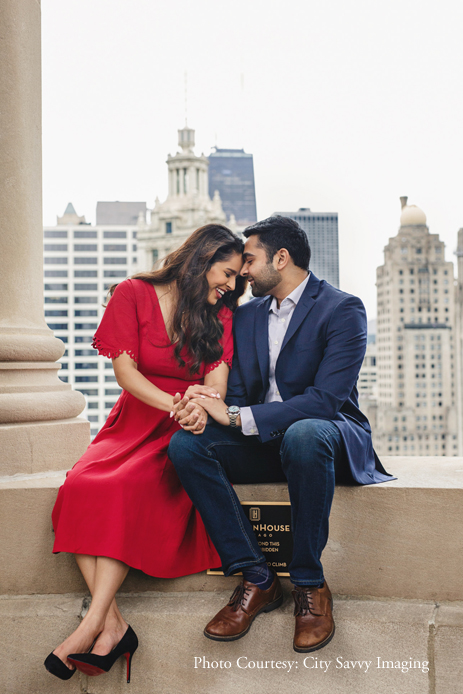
(199, 391)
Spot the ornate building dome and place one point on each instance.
(411, 214)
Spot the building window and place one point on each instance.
(56, 287)
(83, 339)
(113, 391)
(168, 227)
(85, 352)
(92, 405)
(85, 312)
(55, 273)
(55, 261)
(86, 365)
(85, 247)
(55, 247)
(85, 261)
(110, 379)
(86, 300)
(114, 234)
(56, 299)
(108, 247)
(58, 326)
(85, 326)
(55, 234)
(85, 273)
(85, 234)
(115, 273)
(56, 313)
(114, 261)
(84, 287)
(89, 392)
(86, 379)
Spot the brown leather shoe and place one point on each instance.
(314, 618)
(235, 619)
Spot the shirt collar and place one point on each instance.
(293, 297)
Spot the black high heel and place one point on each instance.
(56, 667)
(91, 664)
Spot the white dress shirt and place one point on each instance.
(278, 322)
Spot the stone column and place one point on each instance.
(32, 398)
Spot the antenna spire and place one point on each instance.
(186, 99)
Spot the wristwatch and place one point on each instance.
(233, 412)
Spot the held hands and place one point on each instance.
(217, 409)
(189, 411)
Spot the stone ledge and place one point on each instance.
(401, 539)
(37, 446)
(164, 663)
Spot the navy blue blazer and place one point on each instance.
(316, 371)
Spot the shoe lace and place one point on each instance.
(303, 602)
(239, 594)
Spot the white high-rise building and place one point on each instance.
(459, 339)
(187, 206)
(81, 262)
(416, 344)
(367, 384)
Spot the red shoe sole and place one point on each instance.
(91, 670)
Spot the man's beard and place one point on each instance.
(268, 279)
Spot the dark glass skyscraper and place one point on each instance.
(231, 172)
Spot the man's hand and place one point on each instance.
(215, 407)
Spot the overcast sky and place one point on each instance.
(345, 106)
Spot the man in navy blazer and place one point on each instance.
(291, 413)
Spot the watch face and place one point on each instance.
(233, 410)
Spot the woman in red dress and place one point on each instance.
(167, 332)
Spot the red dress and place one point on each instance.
(123, 498)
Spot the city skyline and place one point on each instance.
(357, 107)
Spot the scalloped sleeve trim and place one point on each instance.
(110, 352)
(215, 364)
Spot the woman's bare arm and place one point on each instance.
(218, 379)
(131, 380)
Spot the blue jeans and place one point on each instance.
(306, 457)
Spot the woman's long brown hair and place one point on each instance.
(195, 324)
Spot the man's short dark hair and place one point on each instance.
(282, 232)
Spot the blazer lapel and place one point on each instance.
(261, 328)
(303, 308)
